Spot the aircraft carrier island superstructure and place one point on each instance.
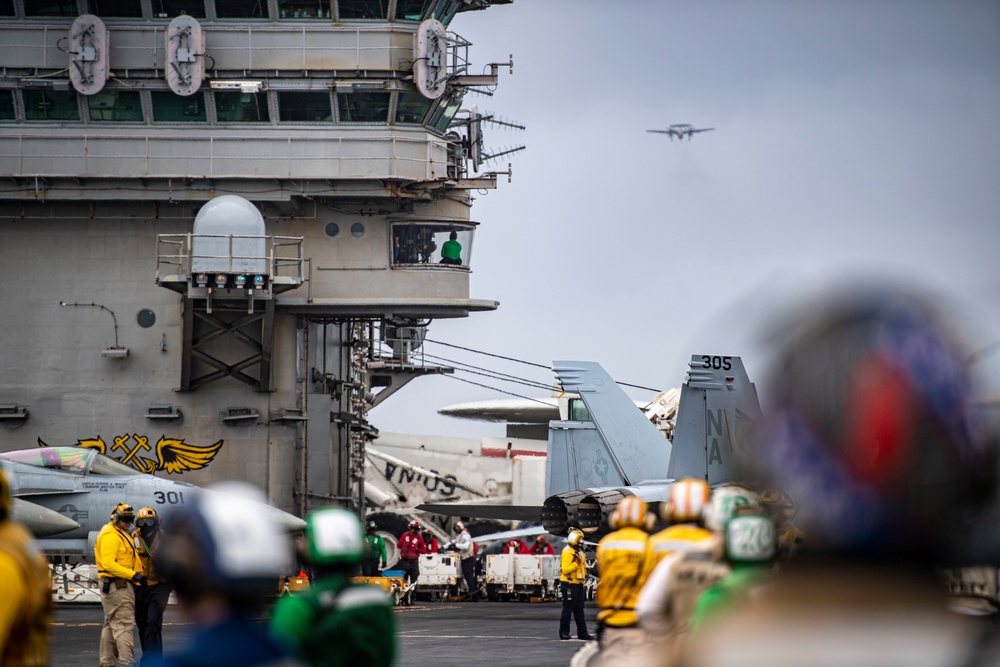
(225, 224)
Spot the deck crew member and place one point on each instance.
(542, 547)
(467, 553)
(620, 559)
(374, 553)
(151, 599)
(224, 558)
(25, 592)
(572, 575)
(336, 623)
(411, 545)
(118, 567)
(684, 511)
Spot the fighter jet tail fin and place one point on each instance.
(610, 444)
(717, 409)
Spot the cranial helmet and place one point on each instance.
(222, 543)
(872, 429)
(540, 539)
(750, 537)
(631, 512)
(688, 499)
(334, 537)
(146, 517)
(371, 527)
(413, 525)
(459, 526)
(575, 538)
(123, 512)
(724, 502)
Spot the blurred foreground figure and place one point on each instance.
(335, 622)
(869, 431)
(25, 592)
(224, 558)
(620, 558)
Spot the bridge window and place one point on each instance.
(305, 9)
(411, 108)
(362, 9)
(236, 107)
(123, 105)
(304, 107)
(363, 107)
(6, 7)
(241, 9)
(168, 107)
(116, 8)
(169, 9)
(410, 10)
(51, 105)
(445, 111)
(431, 243)
(7, 109)
(51, 8)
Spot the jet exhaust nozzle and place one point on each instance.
(559, 512)
(595, 509)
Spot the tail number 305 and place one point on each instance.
(717, 363)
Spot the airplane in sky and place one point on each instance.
(681, 130)
(64, 495)
(592, 464)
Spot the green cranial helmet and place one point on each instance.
(334, 537)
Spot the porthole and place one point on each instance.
(357, 230)
(332, 229)
(146, 318)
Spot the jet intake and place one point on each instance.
(559, 512)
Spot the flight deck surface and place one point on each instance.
(435, 633)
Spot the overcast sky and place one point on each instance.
(853, 139)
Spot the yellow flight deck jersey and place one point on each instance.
(620, 557)
(115, 553)
(679, 537)
(573, 566)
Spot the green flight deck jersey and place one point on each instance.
(337, 624)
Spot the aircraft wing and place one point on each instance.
(702, 129)
(661, 131)
(486, 511)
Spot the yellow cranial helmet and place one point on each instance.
(123, 512)
(575, 538)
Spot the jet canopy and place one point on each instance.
(70, 459)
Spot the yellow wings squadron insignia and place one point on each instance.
(177, 456)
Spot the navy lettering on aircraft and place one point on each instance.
(714, 430)
(399, 476)
(717, 363)
(173, 455)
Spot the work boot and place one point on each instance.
(564, 637)
(586, 637)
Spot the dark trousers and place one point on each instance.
(150, 601)
(469, 572)
(369, 568)
(411, 571)
(572, 605)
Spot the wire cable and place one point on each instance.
(527, 363)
